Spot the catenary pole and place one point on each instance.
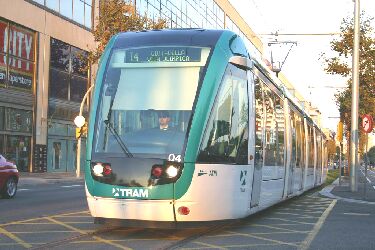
(355, 97)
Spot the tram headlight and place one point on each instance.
(98, 169)
(101, 169)
(172, 171)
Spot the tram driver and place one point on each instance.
(164, 120)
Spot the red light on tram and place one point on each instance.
(107, 170)
(157, 172)
(183, 210)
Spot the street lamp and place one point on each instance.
(79, 121)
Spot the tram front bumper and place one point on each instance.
(126, 209)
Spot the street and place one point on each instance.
(34, 201)
(56, 216)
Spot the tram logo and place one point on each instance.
(243, 177)
(127, 192)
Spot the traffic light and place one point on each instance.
(82, 131)
(339, 131)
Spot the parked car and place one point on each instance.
(8, 178)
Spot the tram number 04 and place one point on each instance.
(173, 157)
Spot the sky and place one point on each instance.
(304, 66)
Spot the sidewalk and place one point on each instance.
(48, 178)
(342, 191)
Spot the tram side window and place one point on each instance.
(311, 147)
(259, 122)
(300, 140)
(274, 134)
(226, 135)
(319, 152)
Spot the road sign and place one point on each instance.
(367, 123)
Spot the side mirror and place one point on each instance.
(241, 62)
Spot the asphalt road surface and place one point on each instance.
(55, 216)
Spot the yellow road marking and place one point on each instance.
(294, 221)
(39, 218)
(240, 246)
(15, 238)
(278, 228)
(306, 243)
(109, 242)
(299, 215)
(50, 231)
(209, 245)
(266, 239)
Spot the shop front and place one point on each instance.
(17, 81)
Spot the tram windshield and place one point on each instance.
(146, 100)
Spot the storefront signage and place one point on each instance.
(17, 51)
(163, 54)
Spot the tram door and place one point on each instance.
(257, 132)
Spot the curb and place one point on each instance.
(26, 181)
(327, 193)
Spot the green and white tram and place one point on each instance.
(185, 126)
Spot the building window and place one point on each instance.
(17, 56)
(68, 79)
(17, 120)
(77, 10)
(18, 151)
(1, 119)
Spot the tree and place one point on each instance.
(118, 16)
(340, 64)
(371, 155)
(331, 149)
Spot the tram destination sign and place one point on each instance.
(163, 54)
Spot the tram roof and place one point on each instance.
(191, 37)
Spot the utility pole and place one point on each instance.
(355, 97)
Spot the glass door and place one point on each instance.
(57, 155)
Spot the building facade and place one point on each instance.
(43, 44)
(42, 54)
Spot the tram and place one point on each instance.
(186, 126)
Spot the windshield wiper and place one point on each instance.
(113, 131)
(118, 138)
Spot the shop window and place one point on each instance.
(68, 74)
(17, 56)
(2, 119)
(17, 150)
(18, 120)
(2, 143)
